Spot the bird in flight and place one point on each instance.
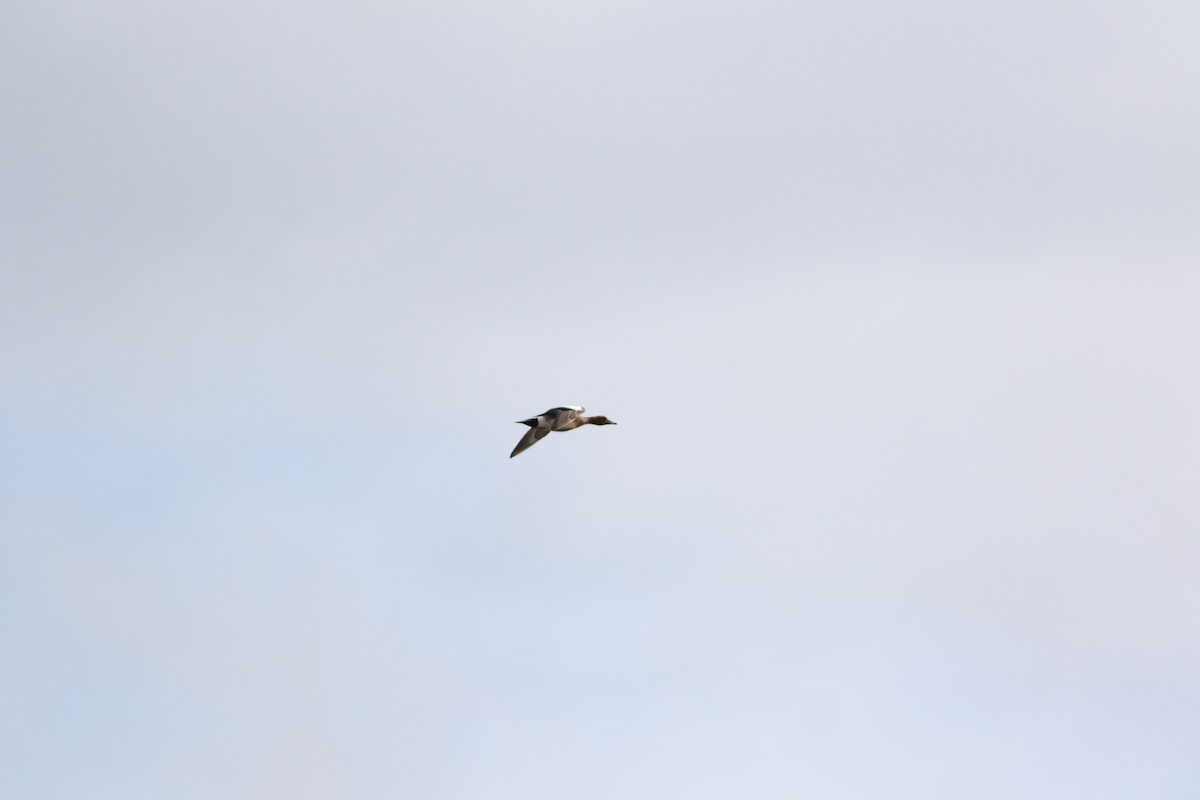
(563, 418)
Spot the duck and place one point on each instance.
(560, 418)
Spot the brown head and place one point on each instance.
(600, 421)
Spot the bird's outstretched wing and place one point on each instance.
(531, 437)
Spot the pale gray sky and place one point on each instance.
(895, 304)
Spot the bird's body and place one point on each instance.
(561, 418)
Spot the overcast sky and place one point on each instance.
(897, 306)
